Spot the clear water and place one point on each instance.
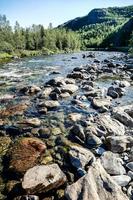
(36, 70)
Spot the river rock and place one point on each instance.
(112, 163)
(101, 102)
(130, 166)
(79, 156)
(45, 93)
(122, 83)
(70, 88)
(119, 144)
(112, 126)
(92, 140)
(33, 89)
(123, 117)
(77, 133)
(122, 180)
(35, 122)
(43, 178)
(50, 104)
(76, 75)
(95, 185)
(17, 109)
(24, 154)
(115, 92)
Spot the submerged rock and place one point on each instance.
(24, 154)
(43, 178)
(17, 109)
(95, 185)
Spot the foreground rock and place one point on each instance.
(24, 154)
(112, 163)
(95, 185)
(119, 144)
(80, 157)
(40, 179)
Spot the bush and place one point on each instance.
(6, 47)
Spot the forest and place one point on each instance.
(35, 39)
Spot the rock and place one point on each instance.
(112, 163)
(115, 92)
(30, 89)
(95, 185)
(70, 88)
(96, 93)
(43, 178)
(54, 72)
(58, 81)
(101, 102)
(112, 126)
(50, 104)
(77, 132)
(35, 122)
(119, 144)
(123, 117)
(100, 151)
(121, 180)
(80, 157)
(130, 174)
(76, 75)
(75, 116)
(24, 154)
(17, 109)
(45, 93)
(54, 96)
(92, 140)
(130, 166)
(65, 95)
(122, 83)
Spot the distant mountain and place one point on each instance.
(113, 15)
(103, 27)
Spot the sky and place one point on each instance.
(28, 12)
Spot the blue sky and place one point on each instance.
(27, 12)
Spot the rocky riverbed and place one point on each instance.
(66, 127)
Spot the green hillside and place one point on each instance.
(106, 27)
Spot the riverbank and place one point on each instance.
(6, 57)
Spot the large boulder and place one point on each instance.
(112, 163)
(43, 178)
(95, 185)
(24, 154)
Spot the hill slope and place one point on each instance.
(102, 27)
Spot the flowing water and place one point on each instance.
(37, 70)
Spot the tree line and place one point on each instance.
(36, 38)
